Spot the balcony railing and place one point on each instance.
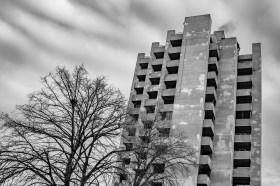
(206, 146)
(209, 110)
(204, 164)
(203, 180)
(241, 176)
(213, 64)
(211, 95)
(211, 79)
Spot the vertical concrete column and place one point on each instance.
(188, 110)
(223, 141)
(256, 116)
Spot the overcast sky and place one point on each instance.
(106, 35)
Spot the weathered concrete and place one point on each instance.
(256, 116)
(188, 112)
(222, 157)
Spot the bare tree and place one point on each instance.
(156, 155)
(66, 135)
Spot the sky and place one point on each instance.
(107, 35)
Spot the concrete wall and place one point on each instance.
(188, 110)
(256, 116)
(223, 141)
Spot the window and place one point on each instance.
(244, 85)
(166, 115)
(243, 114)
(143, 65)
(176, 43)
(159, 55)
(168, 99)
(157, 67)
(128, 146)
(123, 177)
(244, 71)
(170, 84)
(126, 161)
(152, 94)
(134, 117)
(148, 124)
(172, 70)
(145, 139)
(158, 168)
(136, 104)
(155, 81)
(174, 56)
(142, 155)
(131, 131)
(139, 90)
(164, 132)
(150, 109)
(243, 99)
(141, 78)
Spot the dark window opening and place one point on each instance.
(145, 139)
(143, 65)
(209, 114)
(123, 177)
(170, 84)
(172, 70)
(142, 155)
(141, 78)
(241, 163)
(243, 130)
(214, 53)
(148, 124)
(155, 81)
(243, 114)
(243, 99)
(176, 43)
(134, 117)
(244, 85)
(157, 67)
(159, 55)
(244, 71)
(166, 115)
(242, 146)
(168, 99)
(164, 132)
(126, 161)
(128, 146)
(139, 90)
(158, 168)
(238, 181)
(152, 94)
(136, 104)
(174, 56)
(131, 131)
(156, 184)
(150, 109)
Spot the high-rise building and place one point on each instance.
(214, 96)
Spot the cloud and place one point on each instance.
(228, 27)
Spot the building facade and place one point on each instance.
(213, 95)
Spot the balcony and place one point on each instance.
(213, 64)
(137, 97)
(204, 164)
(212, 79)
(243, 107)
(203, 180)
(241, 176)
(243, 126)
(169, 92)
(214, 50)
(150, 102)
(206, 146)
(174, 53)
(176, 40)
(153, 88)
(166, 108)
(172, 63)
(209, 110)
(157, 62)
(242, 159)
(244, 68)
(247, 57)
(208, 128)
(171, 77)
(244, 82)
(242, 142)
(155, 75)
(139, 84)
(244, 96)
(141, 72)
(211, 95)
(159, 52)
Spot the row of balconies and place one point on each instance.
(242, 141)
